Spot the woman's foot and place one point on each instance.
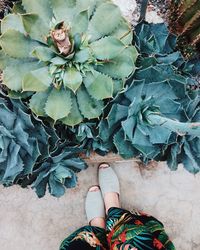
(110, 186)
(96, 215)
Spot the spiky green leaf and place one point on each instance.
(107, 48)
(89, 107)
(121, 66)
(72, 79)
(58, 104)
(99, 86)
(106, 18)
(14, 74)
(37, 80)
(80, 23)
(12, 21)
(41, 8)
(35, 27)
(38, 102)
(75, 116)
(22, 44)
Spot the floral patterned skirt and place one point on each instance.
(124, 231)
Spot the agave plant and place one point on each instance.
(68, 55)
(24, 140)
(184, 18)
(58, 171)
(157, 116)
(187, 147)
(32, 154)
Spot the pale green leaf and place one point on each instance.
(88, 5)
(89, 107)
(80, 23)
(64, 10)
(99, 86)
(44, 54)
(121, 66)
(37, 103)
(107, 48)
(124, 32)
(12, 21)
(74, 116)
(58, 104)
(14, 74)
(82, 55)
(72, 79)
(16, 44)
(40, 7)
(106, 18)
(37, 80)
(35, 27)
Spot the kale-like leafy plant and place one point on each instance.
(32, 154)
(69, 55)
(157, 116)
(24, 140)
(58, 171)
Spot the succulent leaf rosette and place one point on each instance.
(23, 141)
(70, 55)
(32, 154)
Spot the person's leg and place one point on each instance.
(111, 199)
(93, 236)
(127, 230)
(97, 221)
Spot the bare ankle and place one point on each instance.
(111, 200)
(98, 222)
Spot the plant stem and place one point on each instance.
(143, 10)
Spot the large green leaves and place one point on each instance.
(35, 27)
(12, 21)
(74, 116)
(64, 10)
(41, 8)
(58, 104)
(38, 102)
(80, 23)
(122, 65)
(99, 59)
(37, 80)
(104, 21)
(72, 79)
(99, 86)
(15, 72)
(16, 44)
(107, 48)
(89, 107)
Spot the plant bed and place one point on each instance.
(74, 86)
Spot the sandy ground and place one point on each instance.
(41, 224)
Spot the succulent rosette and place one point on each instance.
(69, 55)
(24, 140)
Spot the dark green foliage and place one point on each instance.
(157, 116)
(58, 171)
(32, 154)
(23, 140)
